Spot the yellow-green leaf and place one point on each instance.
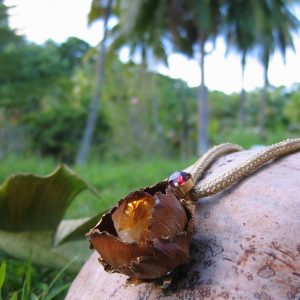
(2, 274)
(72, 230)
(38, 203)
(38, 245)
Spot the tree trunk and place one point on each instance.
(263, 104)
(242, 95)
(203, 121)
(155, 116)
(183, 126)
(90, 126)
(156, 123)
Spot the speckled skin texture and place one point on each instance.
(247, 244)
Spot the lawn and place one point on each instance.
(112, 179)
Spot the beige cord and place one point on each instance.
(239, 172)
(200, 166)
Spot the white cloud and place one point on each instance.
(53, 19)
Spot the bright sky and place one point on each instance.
(40, 20)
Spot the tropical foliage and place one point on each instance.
(188, 26)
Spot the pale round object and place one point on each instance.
(247, 245)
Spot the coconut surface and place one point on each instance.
(247, 244)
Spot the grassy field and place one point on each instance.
(113, 180)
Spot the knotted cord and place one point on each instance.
(239, 172)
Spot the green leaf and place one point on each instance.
(34, 297)
(72, 230)
(97, 11)
(52, 283)
(29, 273)
(21, 244)
(29, 202)
(43, 288)
(25, 292)
(2, 274)
(50, 292)
(31, 209)
(55, 291)
(14, 296)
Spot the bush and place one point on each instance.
(58, 132)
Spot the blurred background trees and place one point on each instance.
(90, 126)
(46, 90)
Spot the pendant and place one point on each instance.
(147, 234)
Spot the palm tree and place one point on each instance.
(194, 24)
(277, 24)
(97, 9)
(240, 28)
(188, 26)
(141, 29)
(139, 36)
(7, 34)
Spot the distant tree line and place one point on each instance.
(155, 26)
(46, 91)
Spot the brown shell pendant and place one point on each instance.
(147, 234)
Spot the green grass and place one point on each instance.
(28, 164)
(113, 180)
(250, 136)
(22, 280)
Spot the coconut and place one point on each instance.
(247, 244)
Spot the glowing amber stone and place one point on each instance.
(132, 218)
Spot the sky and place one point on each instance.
(40, 20)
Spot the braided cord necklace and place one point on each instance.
(237, 173)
